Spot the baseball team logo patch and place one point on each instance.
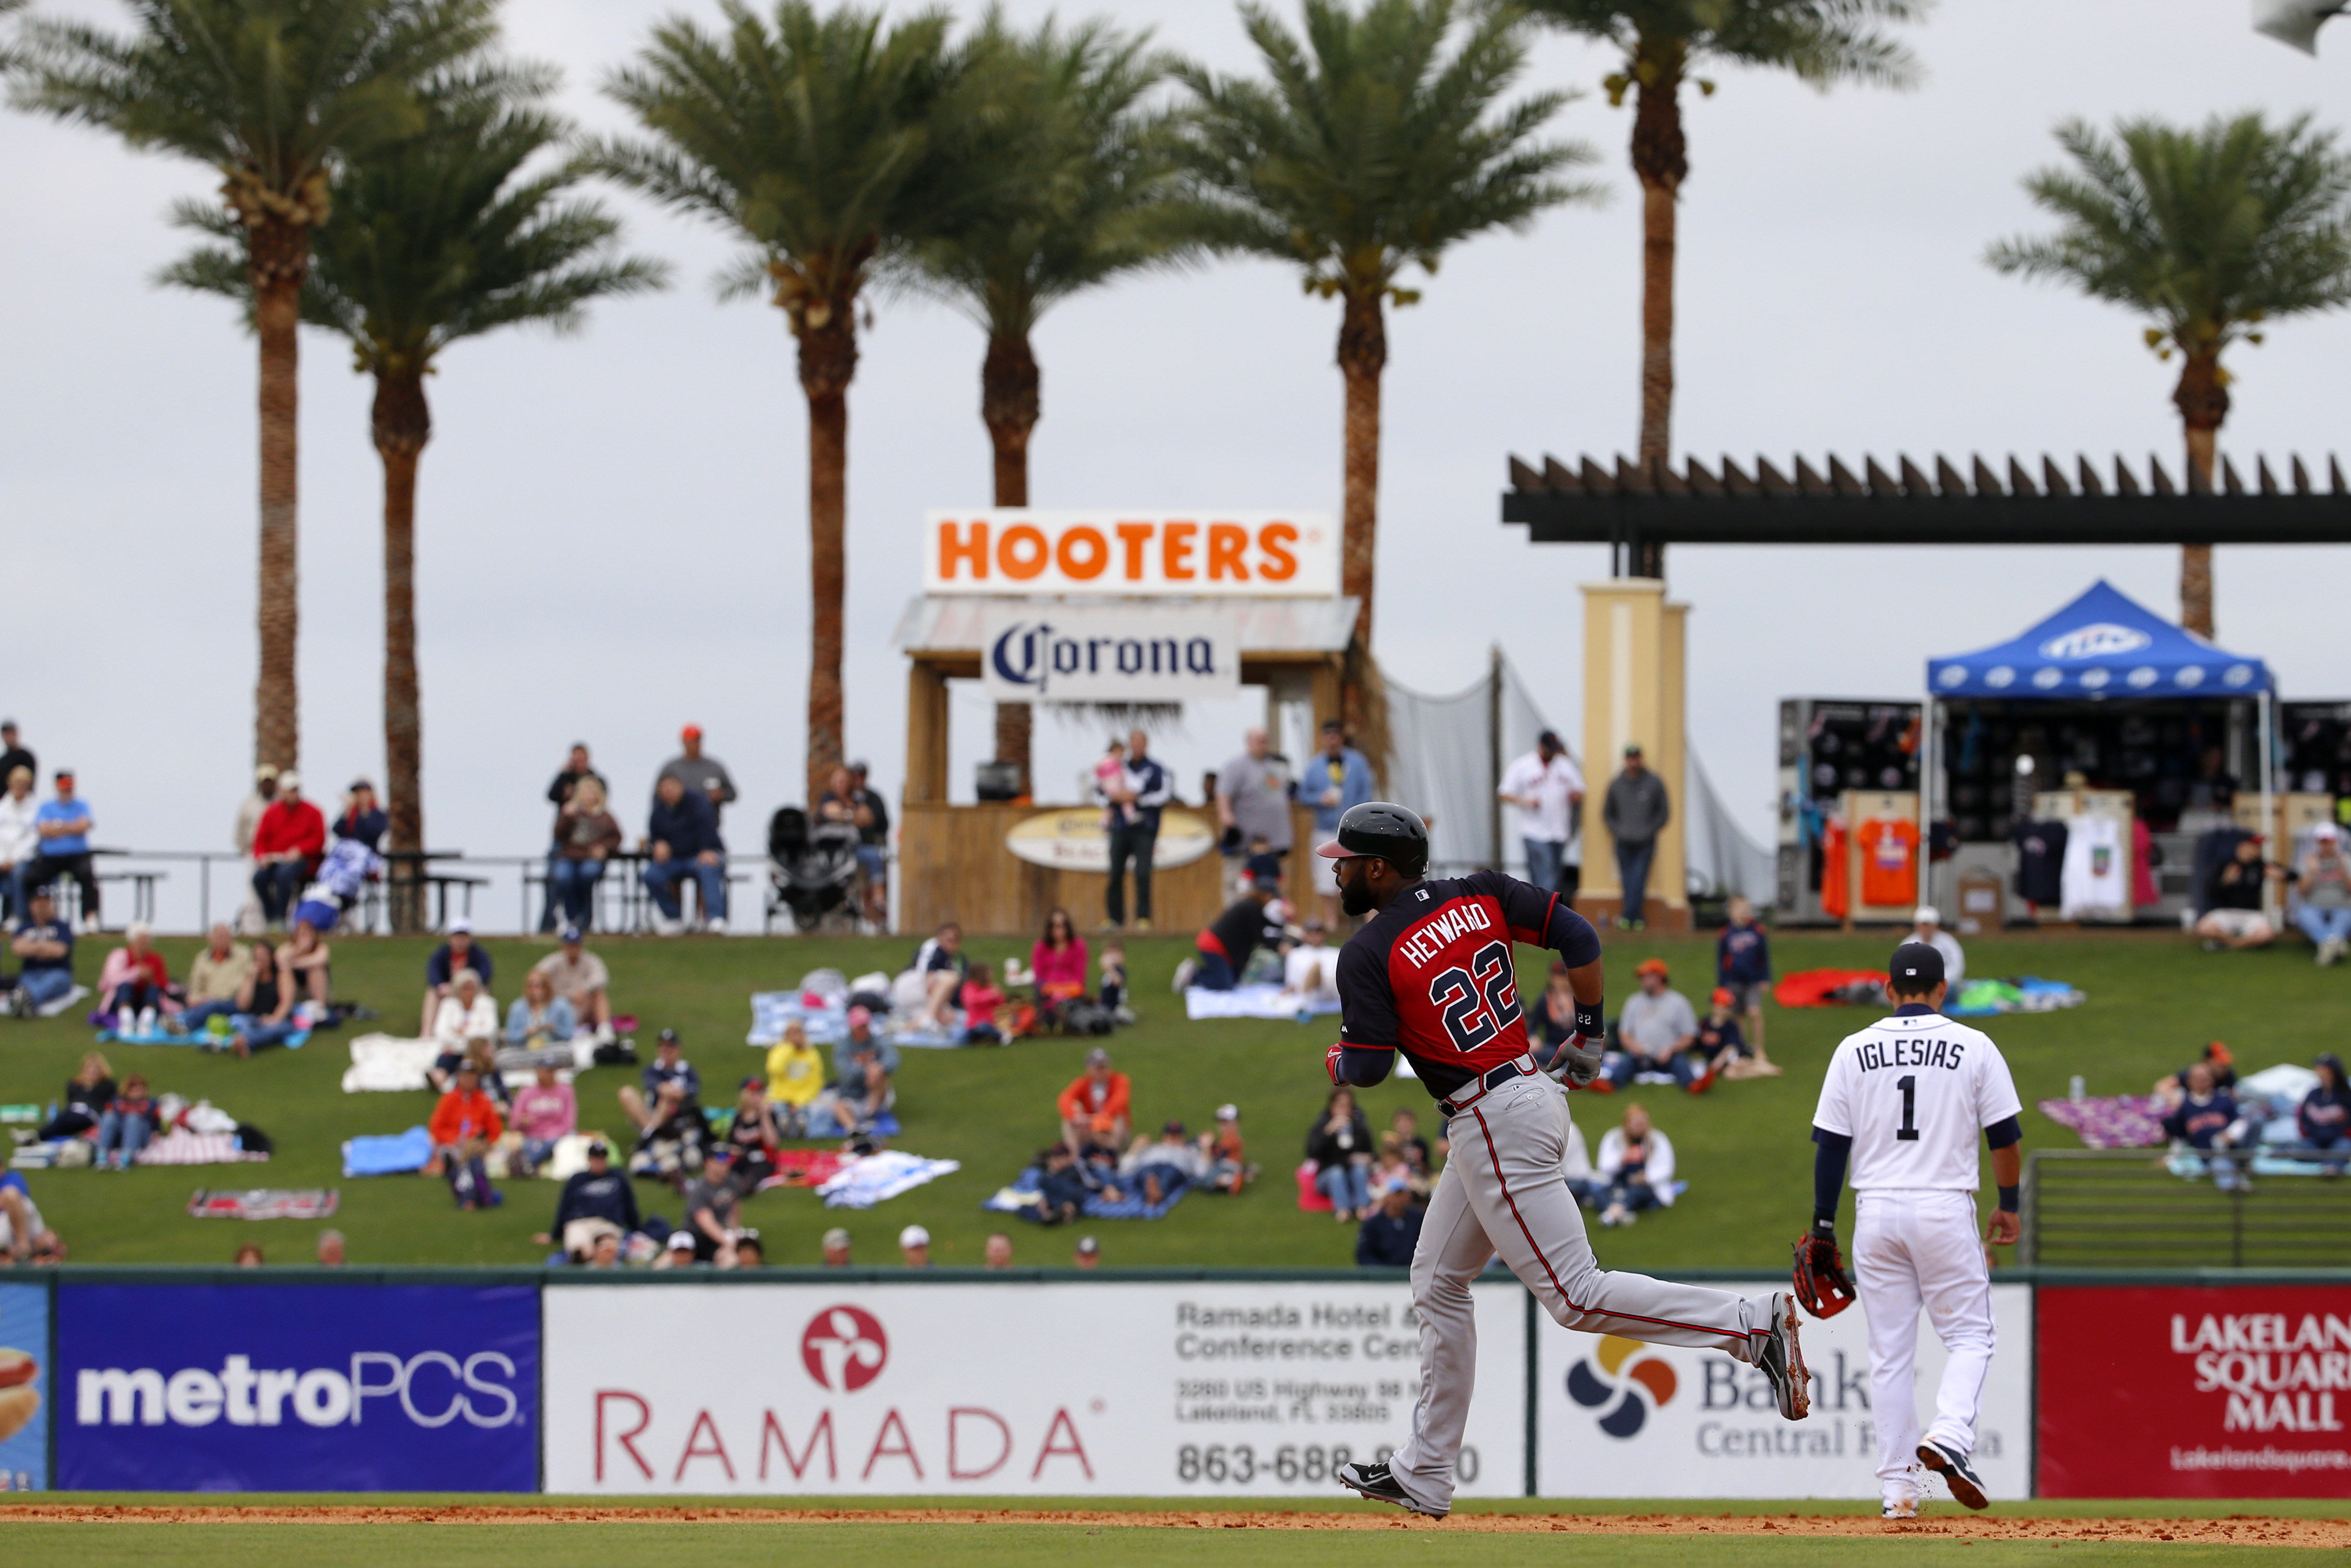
(1629, 1390)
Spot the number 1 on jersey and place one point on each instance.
(1909, 1087)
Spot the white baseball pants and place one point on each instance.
(1505, 1190)
(1912, 1248)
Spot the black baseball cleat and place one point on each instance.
(1967, 1486)
(1781, 1359)
(1374, 1483)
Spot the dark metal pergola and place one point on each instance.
(1635, 505)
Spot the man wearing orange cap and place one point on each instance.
(1656, 1031)
(695, 772)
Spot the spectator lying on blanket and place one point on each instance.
(449, 959)
(544, 1113)
(2323, 1118)
(598, 1196)
(1164, 1166)
(710, 1205)
(2217, 1058)
(44, 949)
(1340, 1145)
(1390, 1232)
(980, 1000)
(2207, 1120)
(540, 1017)
(127, 1124)
(215, 980)
(795, 1077)
(1635, 1169)
(1096, 1108)
(463, 1127)
(1228, 1169)
(1224, 945)
(133, 983)
(1656, 1032)
(1061, 1186)
(942, 964)
(581, 979)
(24, 1237)
(753, 1135)
(88, 1094)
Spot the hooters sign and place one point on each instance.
(1175, 554)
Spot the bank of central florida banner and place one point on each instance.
(1112, 1389)
(296, 1388)
(1626, 1419)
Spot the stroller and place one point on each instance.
(812, 868)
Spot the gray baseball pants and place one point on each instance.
(1505, 1190)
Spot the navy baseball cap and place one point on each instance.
(1916, 966)
(572, 934)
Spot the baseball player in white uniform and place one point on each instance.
(1905, 1099)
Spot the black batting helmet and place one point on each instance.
(1389, 833)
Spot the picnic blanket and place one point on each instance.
(182, 1147)
(387, 1154)
(824, 1018)
(2024, 994)
(1022, 1195)
(1259, 1001)
(162, 1036)
(804, 1168)
(878, 1177)
(2110, 1122)
(266, 1203)
(1831, 988)
(382, 1062)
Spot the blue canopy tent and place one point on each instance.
(2103, 646)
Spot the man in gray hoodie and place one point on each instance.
(1634, 812)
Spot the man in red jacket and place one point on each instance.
(463, 1127)
(287, 843)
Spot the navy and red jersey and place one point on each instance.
(1433, 975)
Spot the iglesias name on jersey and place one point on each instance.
(1915, 1094)
(1433, 973)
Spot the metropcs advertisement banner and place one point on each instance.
(1100, 653)
(1206, 1390)
(1189, 555)
(1626, 1419)
(2167, 1392)
(25, 1388)
(296, 1388)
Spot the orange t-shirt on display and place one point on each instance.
(1889, 862)
(1832, 883)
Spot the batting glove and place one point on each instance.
(1330, 1061)
(1576, 1062)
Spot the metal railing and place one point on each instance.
(2121, 1209)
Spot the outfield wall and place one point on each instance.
(1168, 1383)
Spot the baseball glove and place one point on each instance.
(1820, 1277)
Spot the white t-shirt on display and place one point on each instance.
(1551, 785)
(1915, 1095)
(2096, 874)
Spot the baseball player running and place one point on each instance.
(1905, 1099)
(1432, 975)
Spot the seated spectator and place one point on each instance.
(330, 1249)
(24, 1237)
(682, 838)
(980, 1000)
(710, 1204)
(593, 1199)
(1095, 1109)
(2207, 1120)
(2234, 918)
(1655, 1033)
(544, 1113)
(914, 1247)
(44, 949)
(248, 1256)
(215, 980)
(88, 1094)
(1165, 1166)
(361, 820)
(1390, 1232)
(1394, 1169)
(1553, 1018)
(679, 1253)
(20, 842)
(1406, 1127)
(585, 835)
(540, 1017)
(1114, 982)
(1309, 971)
(670, 1075)
(1061, 1187)
(834, 1246)
(581, 979)
(865, 1073)
(127, 1124)
(2323, 882)
(1340, 1145)
(288, 842)
(1927, 926)
(748, 1251)
(1227, 1156)
(996, 1253)
(1721, 1045)
(305, 965)
(1224, 944)
(795, 1078)
(467, 1014)
(753, 1135)
(1059, 962)
(1634, 1170)
(63, 827)
(2323, 1118)
(263, 1014)
(2216, 1057)
(458, 953)
(941, 964)
(463, 1127)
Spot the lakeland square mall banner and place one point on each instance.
(2168, 1392)
(296, 1388)
(24, 1385)
(1625, 1419)
(1208, 1390)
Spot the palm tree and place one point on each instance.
(829, 143)
(2207, 234)
(271, 93)
(1369, 150)
(439, 237)
(1662, 42)
(1089, 176)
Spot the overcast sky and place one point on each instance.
(612, 527)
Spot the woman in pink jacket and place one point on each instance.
(1058, 959)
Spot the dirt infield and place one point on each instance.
(2243, 1530)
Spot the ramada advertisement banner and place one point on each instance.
(296, 1388)
(1626, 1419)
(2171, 1392)
(1208, 1390)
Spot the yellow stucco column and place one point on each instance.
(1634, 680)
